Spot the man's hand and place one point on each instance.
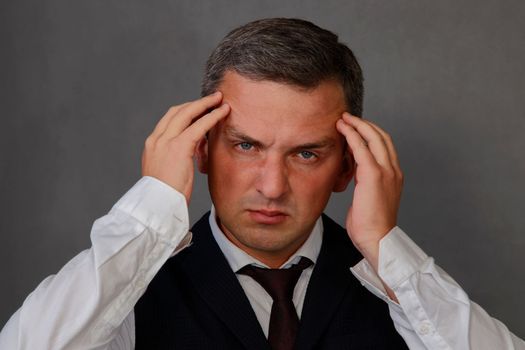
(168, 152)
(378, 182)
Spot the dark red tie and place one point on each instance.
(280, 284)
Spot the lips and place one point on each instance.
(267, 217)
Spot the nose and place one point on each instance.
(272, 181)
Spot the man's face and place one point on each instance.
(273, 163)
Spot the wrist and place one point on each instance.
(370, 251)
(369, 244)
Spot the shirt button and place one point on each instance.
(424, 328)
(140, 284)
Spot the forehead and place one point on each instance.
(275, 109)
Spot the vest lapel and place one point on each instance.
(216, 283)
(330, 281)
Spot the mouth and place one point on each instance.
(267, 217)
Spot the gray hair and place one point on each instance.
(286, 50)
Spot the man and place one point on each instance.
(277, 132)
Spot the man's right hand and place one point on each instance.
(169, 150)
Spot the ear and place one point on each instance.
(201, 155)
(347, 173)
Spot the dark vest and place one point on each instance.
(196, 302)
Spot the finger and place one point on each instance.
(390, 147)
(357, 145)
(200, 127)
(187, 114)
(164, 121)
(374, 139)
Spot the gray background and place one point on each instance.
(83, 83)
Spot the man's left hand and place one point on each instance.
(378, 183)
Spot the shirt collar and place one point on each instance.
(238, 258)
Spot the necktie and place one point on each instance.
(280, 284)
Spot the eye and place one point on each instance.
(307, 155)
(245, 146)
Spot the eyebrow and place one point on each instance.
(326, 142)
(236, 134)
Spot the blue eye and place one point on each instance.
(307, 154)
(245, 146)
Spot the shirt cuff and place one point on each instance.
(399, 258)
(155, 204)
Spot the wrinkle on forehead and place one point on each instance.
(268, 111)
(248, 97)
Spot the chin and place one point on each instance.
(262, 242)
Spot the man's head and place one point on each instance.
(273, 163)
(289, 51)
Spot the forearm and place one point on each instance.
(432, 312)
(442, 316)
(83, 305)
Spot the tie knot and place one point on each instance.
(279, 283)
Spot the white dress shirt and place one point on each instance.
(89, 303)
(260, 300)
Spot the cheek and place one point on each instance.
(316, 186)
(312, 189)
(227, 177)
